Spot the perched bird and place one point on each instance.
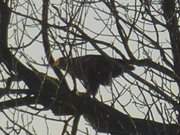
(93, 70)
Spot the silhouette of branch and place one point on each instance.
(58, 98)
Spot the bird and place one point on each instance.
(93, 70)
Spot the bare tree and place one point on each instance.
(143, 33)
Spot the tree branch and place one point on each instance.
(63, 102)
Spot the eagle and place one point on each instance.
(93, 70)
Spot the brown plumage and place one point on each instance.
(93, 70)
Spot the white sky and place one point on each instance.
(35, 52)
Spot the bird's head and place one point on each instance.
(61, 63)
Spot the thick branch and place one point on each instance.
(36, 81)
(17, 102)
(45, 31)
(169, 9)
(46, 43)
(63, 102)
(7, 58)
(106, 119)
